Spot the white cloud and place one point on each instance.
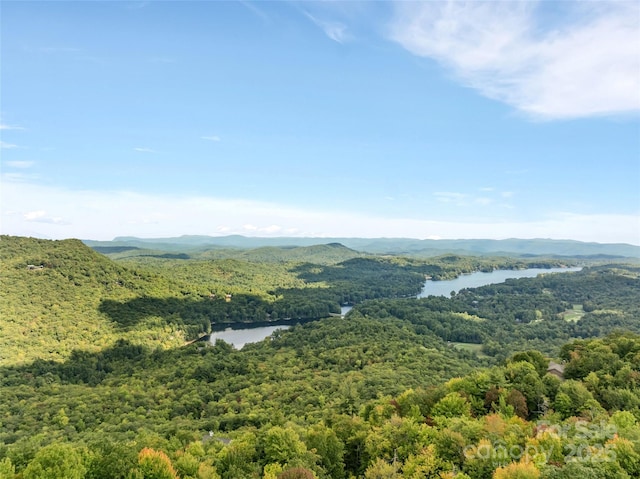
(7, 146)
(483, 201)
(34, 215)
(40, 216)
(106, 214)
(588, 65)
(4, 126)
(336, 31)
(19, 164)
(215, 138)
(145, 150)
(450, 197)
(271, 229)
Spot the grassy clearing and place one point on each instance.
(471, 347)
(573, 314)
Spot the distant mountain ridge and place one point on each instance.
(405, 246)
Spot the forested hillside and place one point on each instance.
(61, 295)
(51, 296)
(318, 254)
(540, 313)
(97, 381)
(373, 402)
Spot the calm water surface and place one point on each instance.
(475, 280)
(239, 335)
(242, 336)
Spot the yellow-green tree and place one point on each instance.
(154, 464)
(56, 461)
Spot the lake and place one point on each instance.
(477, 279)
(239, 334)
(238, 337)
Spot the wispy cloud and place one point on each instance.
(251, 6)
(590, 66)
(8, 146)
(40, 216)
(451, 197)
(215, 138)
(489, 197)
(16, 177)
(19, 164)
(105, 214)
(336, 31)
(145, 150)
(483, 201)
(4, 126)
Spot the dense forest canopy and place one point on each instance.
(75, 298)
(98, 377)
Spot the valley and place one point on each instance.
(100, 375)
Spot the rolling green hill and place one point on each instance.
(51, 296)
(317, 254)
(395, 246)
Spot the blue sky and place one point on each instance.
(367, 119)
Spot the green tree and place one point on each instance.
(397, 439)
(326, 444)
(282, 445)
(626, 455)
(452, 405)
(111, 460)
(523, 376)
(56, 461)
(573, 398)
(536, 358)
